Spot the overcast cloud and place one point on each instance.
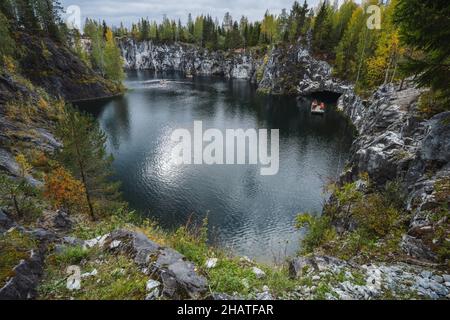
(115, 11)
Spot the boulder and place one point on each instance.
(5, 222)
(42, 235)
(298, 265)
(436, 144)
(26, 278)
(153, 289)
(56, 220)
(181, 281)
(179, 277)
(415, 248)
(258, 273)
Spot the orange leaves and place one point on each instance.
(64, 191)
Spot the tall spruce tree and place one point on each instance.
(322, 31)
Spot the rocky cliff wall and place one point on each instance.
(286, 69)
(395, 142)
(60, 72)
(291, 69)
(187, 58)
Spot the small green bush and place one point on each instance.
(378, 218)
(72, 255)
(319, 231)
(20, 197)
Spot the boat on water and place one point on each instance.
(317, 108)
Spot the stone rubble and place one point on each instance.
(375, 281)
(211, 263)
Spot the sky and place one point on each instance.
(115, 11)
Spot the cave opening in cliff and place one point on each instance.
(328, 97)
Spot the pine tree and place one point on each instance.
(322, 31)
(198, 30)
(341, 19)
(283, 25)
(424, 26)
(48, 14)
(26, 15)
(190, 24)
(346, 52)
(227, 22)
(145, 30)
(113, 59)
(84, 154)
(297, 20)
(95, 33)
(7, 8)
(7, 46)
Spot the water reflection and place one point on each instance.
(248, 213)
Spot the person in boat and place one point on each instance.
(322, 106)
(314, 104)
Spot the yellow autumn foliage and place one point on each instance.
(24, 166)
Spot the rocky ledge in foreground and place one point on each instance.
(338, 279)
(170, 271)
(27, 274)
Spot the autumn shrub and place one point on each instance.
(376, 215)
(39, 159)
(64, 191)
